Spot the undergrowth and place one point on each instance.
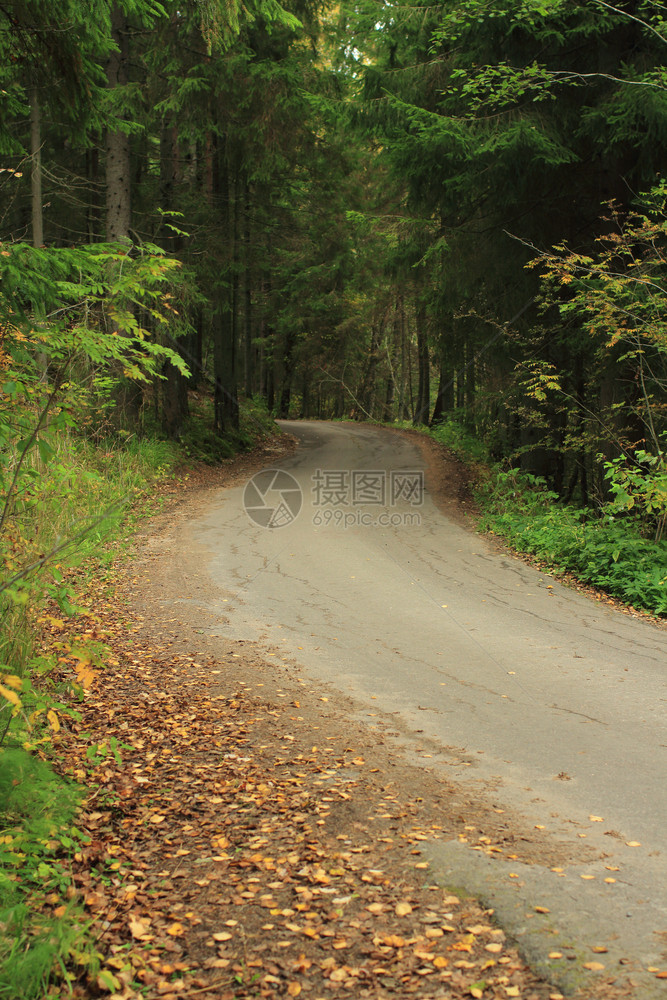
(199, 442)
(69, 507)
(38, 809)
(600, 548)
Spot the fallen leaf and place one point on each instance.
(294, 988)
(85, 674)
(594, 966)
(139, 928)
(175, 929)
(402, 909)
(107, 981)
(393, 941)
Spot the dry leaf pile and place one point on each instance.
(230, 856)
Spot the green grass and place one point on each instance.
(67, 508)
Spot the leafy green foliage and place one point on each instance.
(605, 551)
(37, 809)
(639, 486)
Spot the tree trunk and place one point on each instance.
(366, 391)
(173, 388)
(36, 169)
(225, 395)
(37, 214)
(445, 399)
(118, 196)
(288, 371)
(94, 212)
(423, 406)
(118, 165)
(247, 312)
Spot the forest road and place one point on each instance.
(533, 696)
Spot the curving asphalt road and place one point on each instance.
(520, 685)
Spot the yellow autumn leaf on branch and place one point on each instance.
(11, 696)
